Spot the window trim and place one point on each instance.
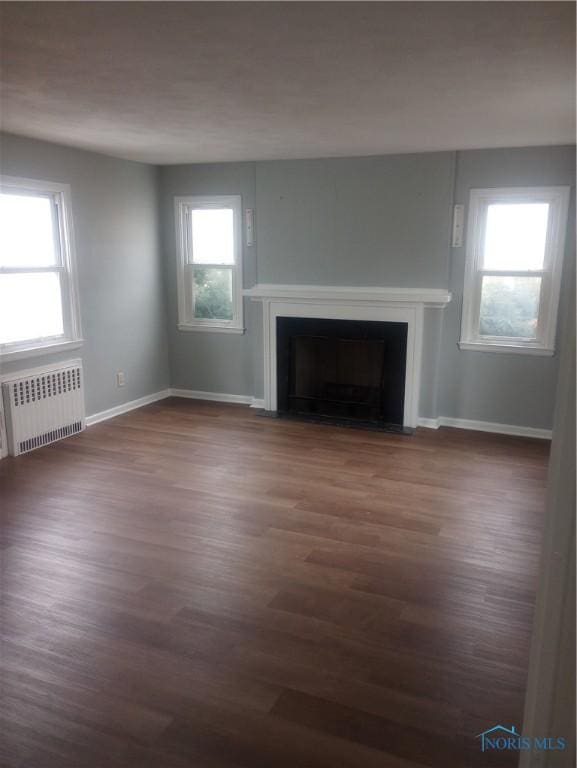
(186, 321)
(479, 200)
(71, 338)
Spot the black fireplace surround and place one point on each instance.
(342, 370)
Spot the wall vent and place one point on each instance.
(43, 406)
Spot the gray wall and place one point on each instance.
(370, 221)
(115, 216)
(362, 221)
(487, 386)
(213, 362)
(339, 222)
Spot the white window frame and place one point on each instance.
(71, 338)
(186, 321)
(479, 201)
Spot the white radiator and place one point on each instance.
(43, 405)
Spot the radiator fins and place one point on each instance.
(50, 437)
(43, 406)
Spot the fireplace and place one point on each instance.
(372, 306)
(350, 371)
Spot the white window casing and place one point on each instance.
(542, 341)
(184, 207)
(64, 267)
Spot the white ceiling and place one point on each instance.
(203, 81)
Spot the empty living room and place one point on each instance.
(287, 384)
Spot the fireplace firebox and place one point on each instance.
(350, 371)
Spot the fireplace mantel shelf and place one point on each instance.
(428, 297)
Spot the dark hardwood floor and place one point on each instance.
(192, 585)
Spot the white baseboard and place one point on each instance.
(125, 407)
(428, 423)
(254, 402)
(217, 397)
(486, 426)
(192, 394)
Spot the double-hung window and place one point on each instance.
(209, 263)
(38, 297)
(515, 247)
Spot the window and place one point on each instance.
(38, 297)
(209, 250)
(513, 272)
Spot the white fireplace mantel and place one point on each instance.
(429, 297)
(394, 305)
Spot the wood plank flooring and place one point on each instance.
(192, 585)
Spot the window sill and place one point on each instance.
(481, 346)
(211, 328)
(45, 349)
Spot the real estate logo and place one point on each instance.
(500, 738)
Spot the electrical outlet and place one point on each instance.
(120, 379)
